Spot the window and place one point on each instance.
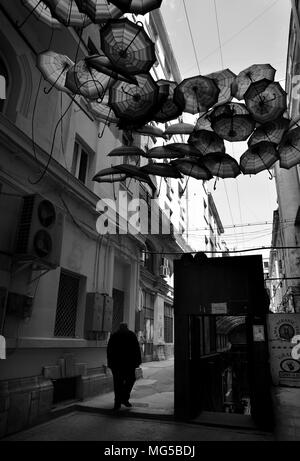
(149, 258)
(67, 302)
(169, 193)
(168, 323)
(149, 322)
(180, 190)
(80, 165)
(4, 82)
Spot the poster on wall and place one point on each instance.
(284, 361)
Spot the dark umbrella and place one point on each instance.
(259, 157)
(99, 10)
(224, 79)
(128, 46)
(125, 151)
(150, 130)
(247, 76)
(66, 11)
(164, 152)
(221, 165)
(232, 122)
(135, 172)
(137, 6)
(271, 131)
(179, 128)
(102, 64)
(193, 168)
(289, 149)
(169, 110)
(204, 122)
(265, 100)
(161, 169)
(206, 142)
(134, 103)
(183, 148)
(196, 94)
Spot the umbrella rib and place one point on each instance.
(28, 16)
(53, 84)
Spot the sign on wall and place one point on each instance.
(283, 330)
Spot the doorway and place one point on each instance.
(118, 309)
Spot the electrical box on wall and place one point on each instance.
(40, 231)
(98, 313)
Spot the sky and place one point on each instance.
(250, 32)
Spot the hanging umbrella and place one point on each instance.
(113, 177)
(128, 46)
(224, 79)
(150, 130)
(203, 122)
(88, 82)
(137, 6)
(134, 103)
(135, 172)
(271, 131)
(196, 94)
(183, 148)
(66, 11)
(161, 169)
(259, 157)
(221, 165)
(289, 149)
(193, 168)
(102, 111)
(125, 151)
(247, 76)
(105, 172)
(42, 12)
(206, 142)
(265, 100)
(99, 11)
(232, 122)
(163, 152)
(169, 110)
(102, 64)
(54, 68)
(179, 128)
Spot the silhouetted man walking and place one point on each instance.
(123, 357)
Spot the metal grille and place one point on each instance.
(67, 301)
(168, 323)
(25, 223)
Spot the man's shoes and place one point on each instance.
(127, 404)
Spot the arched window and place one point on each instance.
(4, 84)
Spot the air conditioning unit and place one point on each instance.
(99, 312)
(40, 231)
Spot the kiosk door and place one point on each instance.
(221, 352)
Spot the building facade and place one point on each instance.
(64, 285)
(285, 294)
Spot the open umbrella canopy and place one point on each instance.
(42, 12)
(102, 64)
(126, 150)
(247, 76)
(265, 100)
(204, 122)
(88, 82)
(207, 141)
(128, 46)
(196, 94)
(113, 177)
(169, 110)
(105, 172)
(163, 152)
(150, 130)
(193, 168)
(179, 128)
(232, 122)
(99, 10)
(259, 157)
(161, 169)
(102, 111)
(66, 11)
(221, 165)
(270, 131)
(137, 6)
(134, 103)
(289, 149)
(54, 68)
(184, 148)
(224, 79)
